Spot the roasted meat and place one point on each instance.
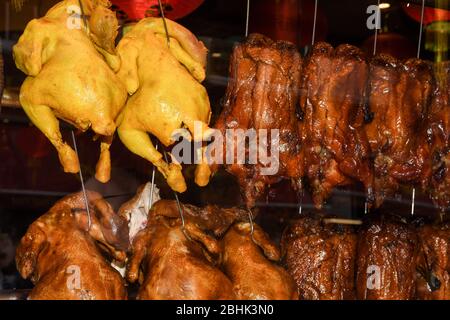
(433, 265)
(165, 93)
(437, 180)
(321, 258)
(400, 94)
(181, 263)
(64, 258)
(387, 252)
(333, 102)
(251, 262)
(71, 76)
(262, 94)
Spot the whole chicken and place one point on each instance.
(163, 79)
(63, 257)
(180, 263)
(70, 68)
(250, 261)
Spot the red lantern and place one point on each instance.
(138, 9)
(429, 14)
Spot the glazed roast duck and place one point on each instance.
(65, 257)
(216, 256)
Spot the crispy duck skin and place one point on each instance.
(333, 102)
(57, 249)
(433, 265)
(386, 256)
(321, 258)
(436, 181)
(400, 94)
(263, 94)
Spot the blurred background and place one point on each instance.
(31, 178)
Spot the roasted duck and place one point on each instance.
(165, 93)
(386, 262)
(262, 94)
(433, 265)
(333, 102)
(70, 69)
(181, 263)
(64, 258)
(400, 94)
(251, 262)
(321, 258)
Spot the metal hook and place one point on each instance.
(250, 220)
(83, 16)
(86, 202)
(413, 198)
(421, 27)
(248, 18)
(161, 12)
(152, 189)
(313, 37)
(180, 208)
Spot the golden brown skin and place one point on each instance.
(58, 245)
(400, 94)
(251, 262)
(176, 264)
(72, 78)
(165, 93)
(263, 94)
(436, 181)
(433, 265)
(388, 243)
(333, 101)
(321, 258)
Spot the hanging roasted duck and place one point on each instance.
(261, 99)
(333, 95)
(399, 99)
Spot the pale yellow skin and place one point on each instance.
(165, 93)
(71, 76)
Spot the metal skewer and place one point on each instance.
(377, 18)
(180, 209)
(161, 12)
(413, 197)
(86, 202)
(313, 37)
(343, 221)
(248, 18)
(83, 188)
